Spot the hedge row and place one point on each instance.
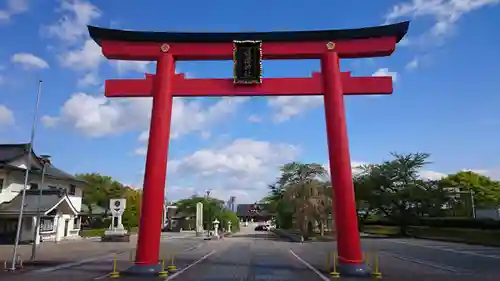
(471, 236)
(444, 222)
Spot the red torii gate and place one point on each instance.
(327, 45)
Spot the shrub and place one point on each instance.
(443, 222)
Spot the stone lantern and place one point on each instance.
(216, 227)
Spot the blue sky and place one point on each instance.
(445, 99)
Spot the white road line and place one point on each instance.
(321, 275)
(186, 250)
(447, 250)
(427, 263)
(184, 269)
(92, 259)
(72, 264)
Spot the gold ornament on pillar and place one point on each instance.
(164, 48)
(330, 46)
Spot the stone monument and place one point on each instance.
(199, 219)
(116, 232)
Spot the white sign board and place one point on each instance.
(117, 206)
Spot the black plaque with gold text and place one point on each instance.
(247, 62)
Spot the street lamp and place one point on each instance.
(26, 178)
(45, 160)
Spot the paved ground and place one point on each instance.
(260, 256)
(413, 259)
(451, 257)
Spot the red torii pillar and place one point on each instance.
(331, 83)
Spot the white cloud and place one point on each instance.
(49, 121)
(413, 64)
(140, 151)
(79, 52)
(354, 167)
(99, 116)
(432, 175)
(123, 66)
(72, 26)
(190, 117)
(29, 61)
(285, 107)
(382, 72)
(6, 115)
(254, 119)
(243, 168)
(89, 79)
(87, 57)
(444, 13)
(13, 7)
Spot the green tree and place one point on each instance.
(133, 209)
(212, 209)
(299, 197)
(276, 204)
(395, 189)
(100, 189)
(486, 191)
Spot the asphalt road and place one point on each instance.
(258, 256)
(250, 256)
(451, 257)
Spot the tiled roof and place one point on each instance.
(49, 199)
(11, 152)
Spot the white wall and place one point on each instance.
(14, 183)
(56, 235)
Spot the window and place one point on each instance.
(34, 185)
(1, 184)
(52, 187)
(72, 189)
(76, 223)
(47, 224)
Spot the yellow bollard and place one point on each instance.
(114, 273)
(377, 274)
(367, 258)
(334, 274)
(328, 262)
(172, 267)
(163, 273)
(131, 257)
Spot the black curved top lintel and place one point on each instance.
(397, 30)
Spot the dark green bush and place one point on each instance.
(443, 222)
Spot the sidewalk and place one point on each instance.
(66, 251)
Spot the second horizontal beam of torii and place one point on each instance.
(185, 87)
